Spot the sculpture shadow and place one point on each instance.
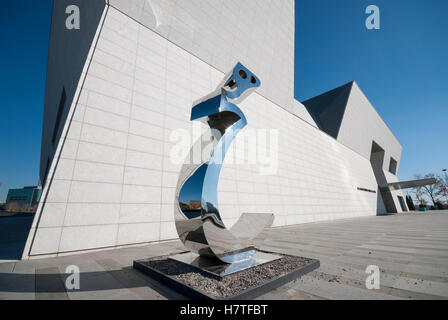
(55, 283)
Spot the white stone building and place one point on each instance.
(120, 85)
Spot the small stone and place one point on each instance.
(229, 285)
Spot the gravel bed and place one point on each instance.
(231, 284)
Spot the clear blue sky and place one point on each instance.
(24, 30)
(402, 68)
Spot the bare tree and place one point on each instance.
(444, 188)
(435, 191)
(420, 196)
(444, 179)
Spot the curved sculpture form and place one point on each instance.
(198, 221)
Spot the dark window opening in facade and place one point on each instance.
(402, 204)
(366, 190)
(393, 166)
(59, 115)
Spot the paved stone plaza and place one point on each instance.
(411, 251)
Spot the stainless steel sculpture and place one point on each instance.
(198, 220)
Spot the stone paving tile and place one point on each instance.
(49, 285)
(404, 287)
(336, 289)
(17, 286)
(96, 283)
(7, 267)
(130, 279)
(393, 255)
(409, 249)
(287, 293)
(395, 266)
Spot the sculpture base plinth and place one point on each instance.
(203, 279)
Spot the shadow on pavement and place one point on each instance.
(53, 282)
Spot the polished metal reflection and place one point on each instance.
(198, 220)
(236, 262)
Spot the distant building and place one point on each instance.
(191, 206)
(23, 199)
(195, 205)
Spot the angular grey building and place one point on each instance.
(120, 86)
(347, 115)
